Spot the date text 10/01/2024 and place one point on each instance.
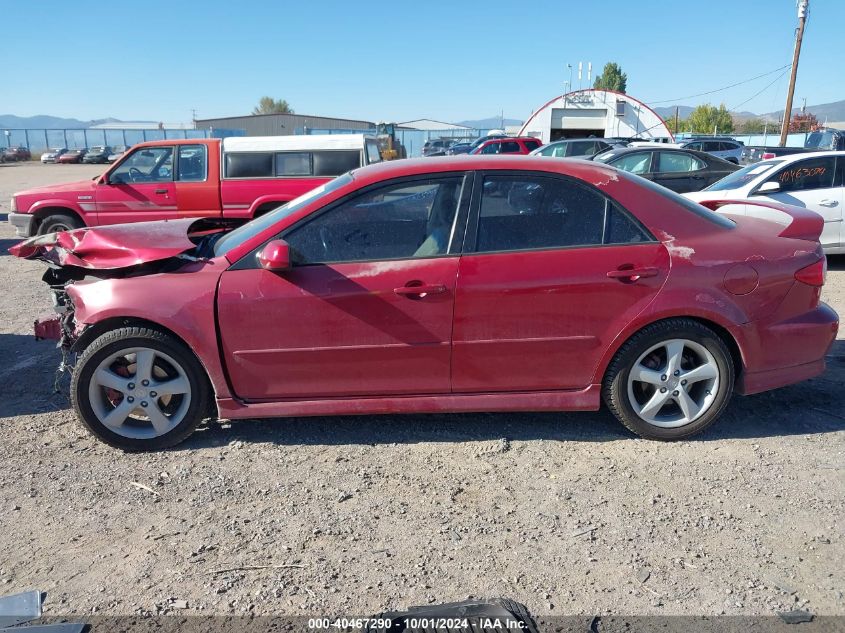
(426, 623)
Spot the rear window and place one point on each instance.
(293, 164)
(686, 203)
(742, 177)
(249, 165)
(335, 163)
(532, 145)
(373, 153)
(327, 163)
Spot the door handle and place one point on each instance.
(828, 203)
(161, 190)
(632, 274)
(419, 290)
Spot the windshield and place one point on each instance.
(251, 229)
(739, 179)
(820, 140)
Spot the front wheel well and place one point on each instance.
(93, 332)
(42, 214)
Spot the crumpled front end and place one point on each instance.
(58, 325)
(111, 247)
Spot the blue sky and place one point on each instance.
(397, 60)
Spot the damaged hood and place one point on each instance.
(113, 246)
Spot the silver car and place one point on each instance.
(726, 149)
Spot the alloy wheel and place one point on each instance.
(673, 383)
(140, 393)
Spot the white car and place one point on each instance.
(815, 181)
(51, 155)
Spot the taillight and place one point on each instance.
(814, 274)
(767, 155)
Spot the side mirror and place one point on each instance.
(768, 187)
(275, 256)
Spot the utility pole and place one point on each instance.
(803, 8)
(677, 116)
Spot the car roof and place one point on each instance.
(511, 138)
(585, 170)
(791, 158)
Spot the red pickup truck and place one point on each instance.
(237, 178)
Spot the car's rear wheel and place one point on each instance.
(139, 389)
(670, 380)
(57, 222)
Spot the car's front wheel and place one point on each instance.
(139, 389)
(670, 380)
(57, 222)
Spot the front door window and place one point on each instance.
(149, 164)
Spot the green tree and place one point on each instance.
(674, 129)
(268, 105)
(751, 126)
(706, 118)
(611, 78)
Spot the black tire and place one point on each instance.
(615, 386)
(520, 611)
(200, 406)
(58, 222)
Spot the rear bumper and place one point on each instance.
(788, 352)
(22, 223)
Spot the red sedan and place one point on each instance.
(509, 145)
(466, 284)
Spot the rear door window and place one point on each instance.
(636, 162)
(678, 162)
(532, 145)
(813, 173)
(510, 147)
(537, 212)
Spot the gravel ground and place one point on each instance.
(567, 513)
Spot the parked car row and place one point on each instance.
(97, 154)
(14, 154)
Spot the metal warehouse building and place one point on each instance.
(281, 124)
(597, 113)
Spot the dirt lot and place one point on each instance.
(567, 513)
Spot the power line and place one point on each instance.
(757, 94)
(710, 92)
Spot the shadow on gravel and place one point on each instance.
(811, 407)
(5, 245)
(27, 375)
(836, 262)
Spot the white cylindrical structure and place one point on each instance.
(595, 113)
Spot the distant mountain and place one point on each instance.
(668, 112)
(489, 123)
(46, 121)
(831, 111)
(834, 111)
